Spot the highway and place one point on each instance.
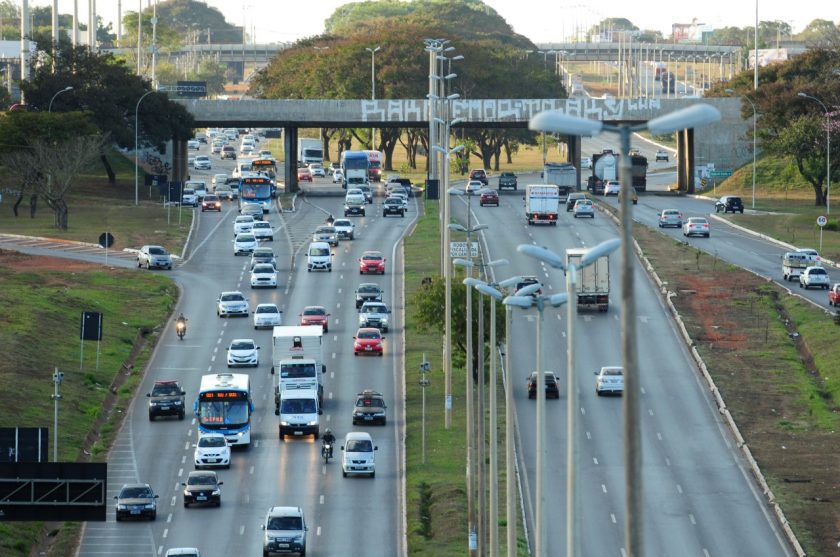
(698, 496)
(341, 512)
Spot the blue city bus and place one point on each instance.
(255, 188)
(269, 168)
(224, 406)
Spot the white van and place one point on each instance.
(319, 257)
(299, 410)
(358, 454)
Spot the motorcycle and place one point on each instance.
(181, 329)
(326, 452)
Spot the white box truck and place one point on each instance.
(297, 358)
(310, 150)
(541, 202)
(592, 284)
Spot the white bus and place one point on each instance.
(224, 406)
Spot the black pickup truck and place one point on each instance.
(507, 180)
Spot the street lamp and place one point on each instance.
(68, 88)
(526, 298)
(447, 273)
(373, 52)
(691, 117)
(553, 260)
(136, 152)
(754, 141)
(827, 150)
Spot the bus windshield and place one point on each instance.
(219, 414)
(265, 165)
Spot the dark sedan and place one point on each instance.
(489, 197)
(552, 390)
(136, 501)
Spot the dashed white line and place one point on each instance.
(318, 531)
(588, 435)
(659, 436)
(251, 470)
(321, 499)
(679, 488)
(241, 529)
(594, 460)
(604, 488)
(691, 518)
(650, 411)
(612, 517)
(165, 532)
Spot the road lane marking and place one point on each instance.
(691, 518)
(659, 436)
(679, 489)
(612, 517)
(603, 488)
(595, 460)
(321, 499)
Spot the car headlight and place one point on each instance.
(178, 403)
(283, 422)
(149, 506)
(121, 507)
(313, 422)
(216, 492)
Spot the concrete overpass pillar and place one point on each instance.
(290, 139)
(179, 160)
(685, 161)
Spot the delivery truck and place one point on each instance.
(592, 283)
(310, 150)
(541, 202)
(562, 175)
(297, 358)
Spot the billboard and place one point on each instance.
(38, 491)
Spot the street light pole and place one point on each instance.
(554, 121)
(57, 377)
(755, 115)
(373, 52)
(827, 150)
(68, 88)
(136, 152)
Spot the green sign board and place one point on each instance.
(720, 173)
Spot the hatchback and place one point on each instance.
(696, 226)
(612, 187)
(670, 217)
(584, 208)
(264, 275)
(244, 243)
(212, 449)
(267, 316)
(232, 303)
(154, 257)
(368, 341)
(473, 186)
(202, 488)
(372, 262)
(243, 352)
(263, 255)
(479, 174)
(211, 202)
(304, 175)
(552, 390)
(729, 204)
(315, 315)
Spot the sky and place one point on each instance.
(540, 20)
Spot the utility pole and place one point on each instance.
(57, 377)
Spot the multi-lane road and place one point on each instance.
(699, 498)
(343, 514)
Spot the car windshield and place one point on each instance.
(212, 442)
(242, 345)
(263, 269)
(368, 334)
(169, 389)
(370, 257)
(203, 479)
(370, 402)
(368, 288)
(612, 371)
(297, 371)
(157, 251)
(245, 219)
(314, 311)
(261, 224)
(343, 223)
(326, 230)
(232, 297)
(358, 446)
(284, 523)
(319, 252)
(188, 191)
(136, 493)
(267, 309)
(298, 406)
(245, 238)
(373, 308)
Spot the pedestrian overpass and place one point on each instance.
(724, 143)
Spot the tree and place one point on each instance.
(821, 33)
(805, 140)
(109, 91)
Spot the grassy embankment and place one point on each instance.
(45, 298)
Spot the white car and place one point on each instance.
(586, 162)
(263, 275)
(345, 229)
(243, 224)
(193, 144)
(232, 302)
(374, 314)
(267, 316)
(584, 208)
(243, 352)
(473, 186)
(814, 277)
(188, 197)
(216, 148)
(246, 149)
(202, 162)
(262, 230)
(337, 177)
(612, 187)
(212, 449)
(355, 196)
(609, 380)
(199, 186)
(696, 225)
(218, 180)
(358, 456)
(244, 243)
(317, 170)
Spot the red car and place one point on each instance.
(489, 197)
(372, 262)
(315, 315)
(367, 341)
(304, 175)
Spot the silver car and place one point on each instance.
(609, 380)
(345, 229)
(670, 217)
(584, 208)
(326, 234)
(154, 257)
(232, 302)
(374, 314)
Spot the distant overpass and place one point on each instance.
(724, 143)
(224, 53)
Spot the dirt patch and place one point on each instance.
(767, 375)
(17, 261)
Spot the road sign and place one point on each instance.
(106, 239)
(425, 366)
(459, 249)
(821, 221)
(720, 173)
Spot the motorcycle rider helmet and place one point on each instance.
(328, 431)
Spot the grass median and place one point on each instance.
(44, 298)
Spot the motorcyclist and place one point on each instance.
(330, 220)
(181, 322)
(328, 439)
